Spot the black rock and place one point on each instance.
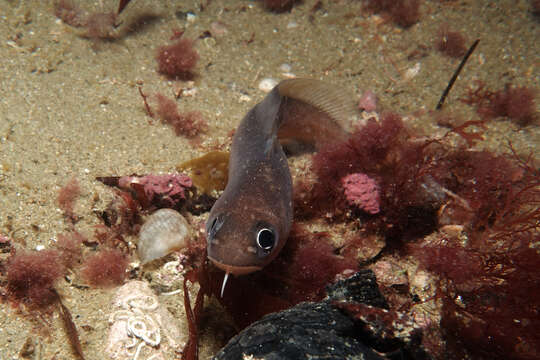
(324, 331)
(305, 331)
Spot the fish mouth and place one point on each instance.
(235, 270)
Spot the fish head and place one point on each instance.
(243, 242)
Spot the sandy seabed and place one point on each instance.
(70, 107)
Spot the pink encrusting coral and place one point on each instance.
(167, 188)
(362, 192)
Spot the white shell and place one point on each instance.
(163, 232)
(267, 84)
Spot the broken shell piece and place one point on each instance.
(163, 232)
(142, 328)
(412, 72)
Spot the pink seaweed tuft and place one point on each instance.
(178, 59)
(69, 13)
(189, 124)
(31, 277)
(450, 43)
(106, 268)
(362, 192)
(67, 197)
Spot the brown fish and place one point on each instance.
(249, 224)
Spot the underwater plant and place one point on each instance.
(515, 103)
(404, 13)
(106, 268)
(67, 196)
(188, 124)
(31, 277)
(450, 43)
(279, 5)
(178, 59)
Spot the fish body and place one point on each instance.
(249, 224)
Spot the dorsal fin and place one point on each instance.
(315, 111)
(334, 100)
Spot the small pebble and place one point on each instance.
(190, 17)
(217, 29)
(190, 92)
(285, 67)
(292, 25)
(267, 84)
(244, 98)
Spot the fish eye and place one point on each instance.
(266, 239)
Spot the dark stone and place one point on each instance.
(325, 330)
(305, 331)
(361, 288)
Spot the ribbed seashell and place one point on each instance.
(163, 232)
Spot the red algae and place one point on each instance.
(424, 184)
(189, 124)
(380, 150)
(450, 43)
(31, 280)
(106, 268)
(516, 103)
(484, 180)
(178, 59)
(279, 5)
(31, 277)
(404, 13)
(330, 165)
(489, 283)
(69, 245)
(101, 25)
(488, 287)
(67, 196)
(310, 264)
(69, 13)
(98, 25)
